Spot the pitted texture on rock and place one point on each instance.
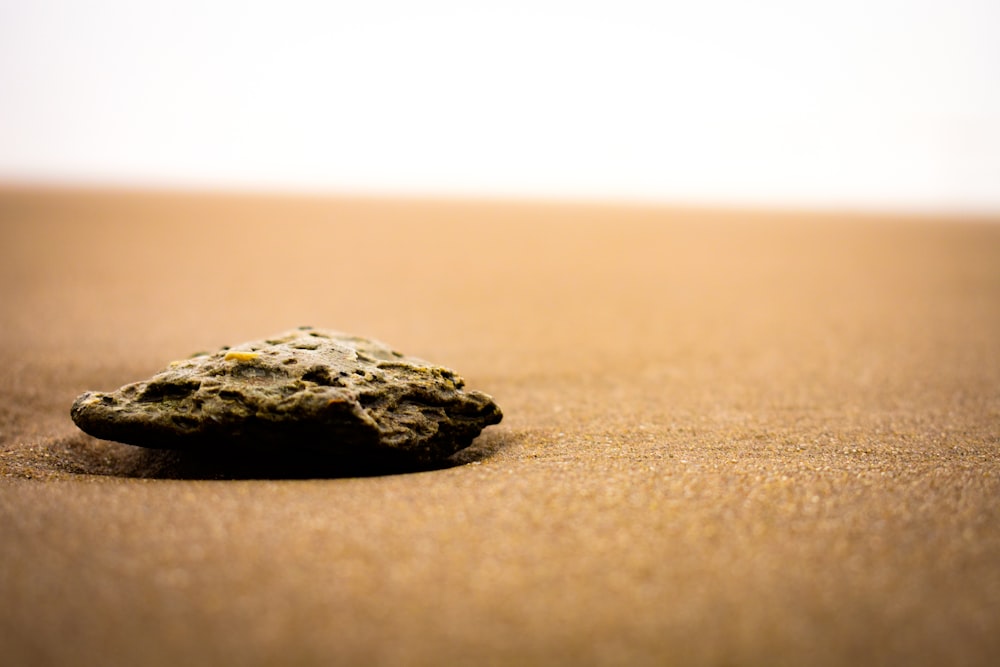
(307, 391)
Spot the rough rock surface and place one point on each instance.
(306, 392)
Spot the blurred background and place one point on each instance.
(859, 104)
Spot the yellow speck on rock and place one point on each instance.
(240, 356)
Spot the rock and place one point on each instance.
(303, 393)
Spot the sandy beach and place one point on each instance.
(730, 437)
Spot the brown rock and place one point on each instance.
(303, 393)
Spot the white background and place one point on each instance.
(856, 103)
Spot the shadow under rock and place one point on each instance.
(83, 454)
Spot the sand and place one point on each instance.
(730, 437)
